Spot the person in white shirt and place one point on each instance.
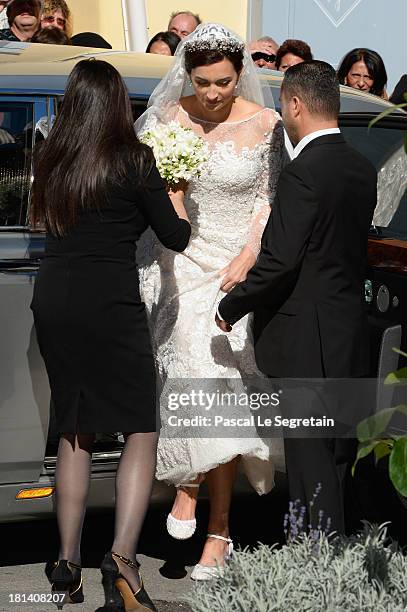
(3, 14)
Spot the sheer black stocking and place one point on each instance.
(72, 485)
(134, 481)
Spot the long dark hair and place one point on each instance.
(171, 39)
(91, 144)
(374, 64)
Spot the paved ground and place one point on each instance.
(166, 563)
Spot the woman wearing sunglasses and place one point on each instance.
(56, 14)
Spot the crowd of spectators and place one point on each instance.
(46, 21)
(49, 22)
(361, 68)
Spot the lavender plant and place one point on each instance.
(363, 573)
(294, 525)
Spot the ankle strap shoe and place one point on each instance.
(209, 572)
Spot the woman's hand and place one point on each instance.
(178, 188)
(176, 193)
(237, 270)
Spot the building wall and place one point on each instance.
(102, 16)
(370, 23)
(233, 13)
(106, 17)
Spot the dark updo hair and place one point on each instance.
(374, 64)
(171, 39)
(194, 59)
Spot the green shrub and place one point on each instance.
(373, 436)
(363, 573)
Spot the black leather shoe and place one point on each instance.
(66, 579)
(119, 595)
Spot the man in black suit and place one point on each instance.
(307, 287)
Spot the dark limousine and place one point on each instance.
(32, 81)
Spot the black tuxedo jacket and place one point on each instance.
(307, 287)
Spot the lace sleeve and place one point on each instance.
(272, 160)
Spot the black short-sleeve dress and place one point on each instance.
(90, 321)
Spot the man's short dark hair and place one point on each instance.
(317, 86)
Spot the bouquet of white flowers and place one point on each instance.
(178, 152)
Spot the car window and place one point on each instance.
(385, 149)
(16, 127)
(138, 107)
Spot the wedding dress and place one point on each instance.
(228, 207)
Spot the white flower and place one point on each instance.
(178, 152)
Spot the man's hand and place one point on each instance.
(237, 270)
(223, 325)
(263, 46)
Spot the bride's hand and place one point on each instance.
(176, 193)
(237, 270)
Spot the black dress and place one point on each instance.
(91, 323)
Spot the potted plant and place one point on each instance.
(373, 436)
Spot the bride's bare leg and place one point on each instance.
(185, 500)
(220, 483)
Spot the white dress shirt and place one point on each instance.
(304, 141)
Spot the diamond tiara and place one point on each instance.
(213, 37)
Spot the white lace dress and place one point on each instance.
(228, 207)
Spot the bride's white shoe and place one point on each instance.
(207, 572)
(182, 529)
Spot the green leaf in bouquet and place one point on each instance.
(398, 466)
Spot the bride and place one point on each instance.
(212, 89)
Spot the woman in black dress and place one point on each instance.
(96, 190)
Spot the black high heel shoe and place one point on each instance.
(119, 595)
(66, 578)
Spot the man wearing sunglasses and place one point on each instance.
(263, 52)
(55, 14)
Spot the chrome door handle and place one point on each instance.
(19, 266)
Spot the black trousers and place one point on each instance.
(319, 463)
